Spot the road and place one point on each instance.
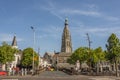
(56, 75)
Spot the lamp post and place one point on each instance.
(38, 57)
(33, 48)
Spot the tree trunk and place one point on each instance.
(116, 67)
(98, 67)
(80, 65)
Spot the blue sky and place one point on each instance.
(99, 18)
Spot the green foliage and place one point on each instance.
(84, 54)
(98, 55)
(27, 58)
(6, 53)
(79, 54)
(113, 48)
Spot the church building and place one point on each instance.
(66, 46)
(17, 55)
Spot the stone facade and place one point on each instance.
(48, 57)
(17, 55)
(60, 58)
(66, 47)
(16, 62)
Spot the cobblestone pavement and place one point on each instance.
(57, 75)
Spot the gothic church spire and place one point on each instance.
(66, 39)
(14, 42)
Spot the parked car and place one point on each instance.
(3, 73)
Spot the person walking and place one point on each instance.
(10, 71)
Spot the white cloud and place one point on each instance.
(79, 12)
(8, 37)
(91, 6)
(57, 15)
(111, 18)
(87, 10)
(52, 9)
(5, 37)
(98, 31)
(52, 31)
(92, 13)
(91, 10)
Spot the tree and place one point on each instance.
(113, 50)
(6, 53)
(27, 58)
(90, 56)
(79, 54)
(98, 55)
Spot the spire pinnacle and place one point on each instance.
(14, 42)
(66, 39)
(66, 21)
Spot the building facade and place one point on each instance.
(59, 59)
(17, 55)
(66, 47)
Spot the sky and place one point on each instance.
(98, 18)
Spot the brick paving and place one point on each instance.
(58, 75)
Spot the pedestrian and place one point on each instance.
(25, 70)
(10, 71)
(22, 72)
(13, 71)
(17, 70)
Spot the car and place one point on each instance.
(3, 73)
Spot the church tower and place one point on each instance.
(66, 46)
(14, 42)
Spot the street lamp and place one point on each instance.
(38, 57)
(33, 48)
